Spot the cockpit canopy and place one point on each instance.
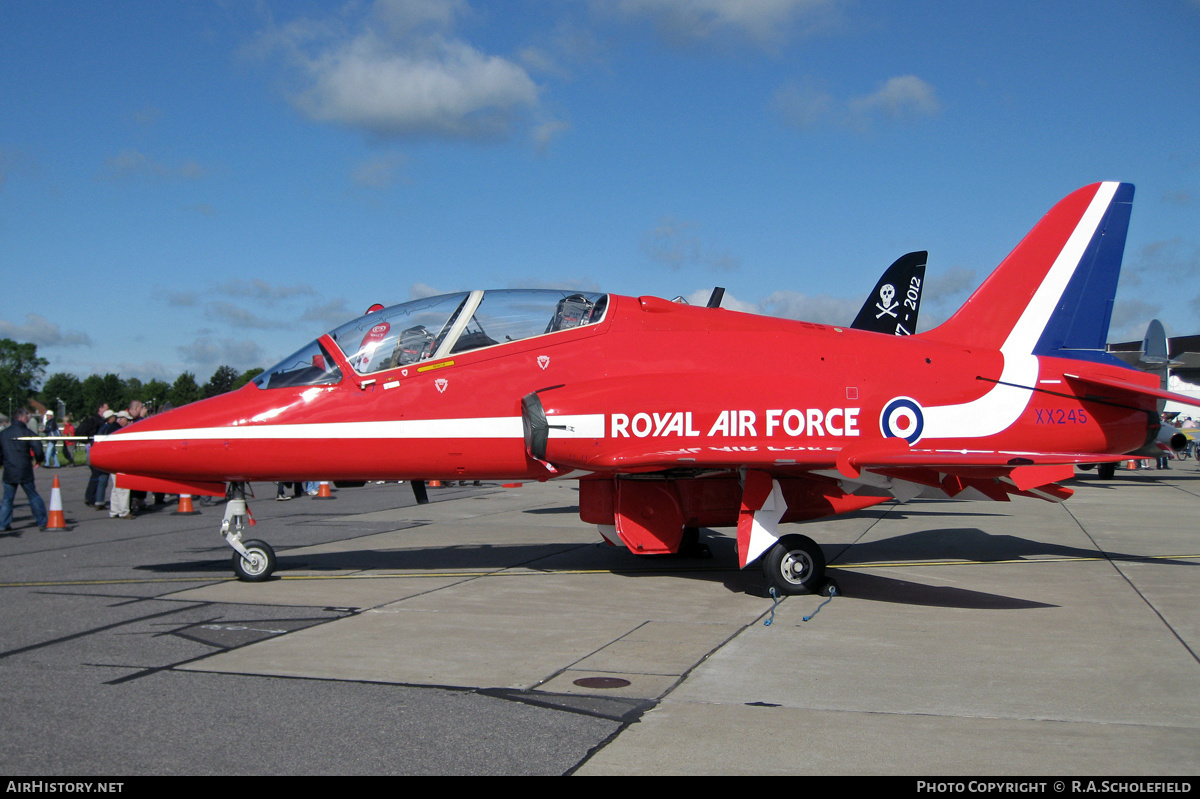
(435, 327)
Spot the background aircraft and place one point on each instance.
(1175, 360)
(895, 304)
(674, 417)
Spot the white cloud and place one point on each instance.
(545, 133)
(402, 17)
(762, 22)
(206, 352)
(136, 164)
(418, 291)
(804, 105)
(901, 97)
(261, 290)
(728, 301)
(400, 72)
(673, 243)
(240, 318)
(1130, 318)
(379, 172)
(42, 332)
(1174, 259)
(950, 286)
(331, 314)
(455, 91)
(821, 308)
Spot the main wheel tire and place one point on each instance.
(1106, 471)
(795, 565)
(259, 566)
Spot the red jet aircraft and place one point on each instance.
(674, 417)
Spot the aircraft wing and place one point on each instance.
(850, 461)
(890, 465)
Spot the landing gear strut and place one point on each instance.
(253, 561)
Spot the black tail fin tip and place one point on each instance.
(895, 303)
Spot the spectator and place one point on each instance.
(18, 470)
(68, 430)
(119, 499)
(50, 428)
(98, 482)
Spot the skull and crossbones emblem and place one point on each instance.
(887, 293)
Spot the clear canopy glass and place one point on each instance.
(308, 366)
(434, 327)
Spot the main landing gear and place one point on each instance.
(795, 565)
(253, 561)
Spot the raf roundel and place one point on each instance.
(902, 418)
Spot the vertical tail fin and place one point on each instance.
(895, 304)
(1053, 294)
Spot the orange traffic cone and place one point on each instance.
(434, 483)
(323, 491)
(57, 520)
(185, 506)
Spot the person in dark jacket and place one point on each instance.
(97, 485)
(18, 470)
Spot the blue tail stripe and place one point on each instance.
(1078, 328)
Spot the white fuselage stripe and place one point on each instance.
(497, 427)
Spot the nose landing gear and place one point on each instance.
(253, 560)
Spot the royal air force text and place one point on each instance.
(793, 423)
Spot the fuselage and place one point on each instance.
(650, 376)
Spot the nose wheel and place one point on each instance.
(256, 564)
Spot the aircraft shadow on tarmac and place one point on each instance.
(877, 588)
(964, 543)
(945, 544)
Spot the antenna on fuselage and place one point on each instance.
(714, 301)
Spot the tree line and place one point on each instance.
(22, 372)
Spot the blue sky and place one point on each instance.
(190, 184)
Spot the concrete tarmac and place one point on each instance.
(490, 633)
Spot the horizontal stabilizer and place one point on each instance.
(1118, 390)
